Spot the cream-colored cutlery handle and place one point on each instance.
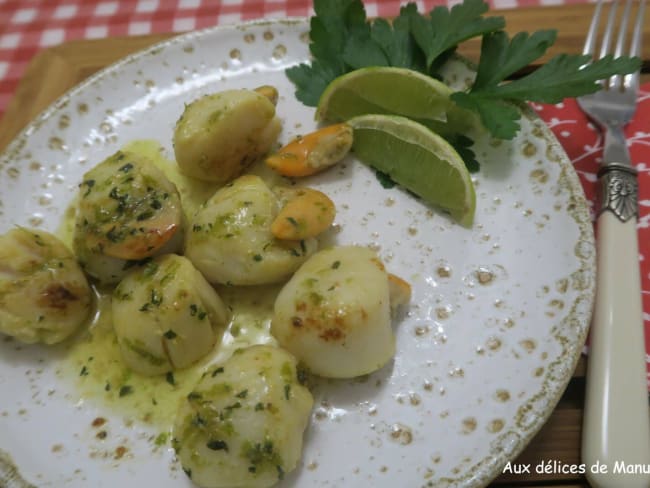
(616, 427)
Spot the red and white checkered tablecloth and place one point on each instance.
(27, 26)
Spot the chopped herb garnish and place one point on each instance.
(161, 439)
(150, 269)
(169, 377)
(292, 221)
(84, 371)
(170, 334)
(193, 395)
(217, 445)
(287, 391)
(147, 214)
(336, 264)
(229, 408)
(198, 421)
(114, 234)
(126, 390)
(156, 298)
(242, 394)
(126, 168)
(259, 406)
(316, 298)
(301, 374)
(217, 371)
(261, 454)
(89, 185)
(139, 348)
(257, 257)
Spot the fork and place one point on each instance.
(616, 425)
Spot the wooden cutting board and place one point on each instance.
(55, 70)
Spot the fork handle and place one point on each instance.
(616, 426)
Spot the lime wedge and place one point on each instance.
(395, 91)
(384, 90)
(418, 159)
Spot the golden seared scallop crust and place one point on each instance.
(44, 295)
(127, 211)
(219, 135)
(334, 313)
(230, 240)
(166, 316)
(242, 424)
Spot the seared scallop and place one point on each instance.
(334, 314)
(166, 316)
(230, 239)
(44, 294)
(128, 211)
(220, 135)
(242, 425)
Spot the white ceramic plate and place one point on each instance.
(498, 317)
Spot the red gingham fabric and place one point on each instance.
(27, 26)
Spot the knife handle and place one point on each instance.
(616, 424)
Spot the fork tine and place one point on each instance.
(616, 81)
(635, 48)
(590, 41)
(622, 32)
(631, 81)
(607, 36)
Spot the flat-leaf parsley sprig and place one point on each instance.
(343, 39)
(564, 76)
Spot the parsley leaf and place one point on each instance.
(498, 116)
(446, 28)
(385, 180)
(461, 143)
(386, 44)
(311, 81)
(565, 75)
(334, 23)
(500, 57)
